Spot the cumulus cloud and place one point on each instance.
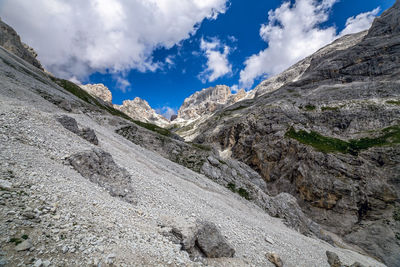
(217, 60)
(77, 38)
(166, 111)
(293, 32)
(360, 22)
(122, 84)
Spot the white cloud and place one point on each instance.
(293, 32)
(360, 22)
(217, 60)
(76, 38)
(166, 111)
(122, 84)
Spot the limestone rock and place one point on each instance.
(25, 245)
(99, 167)
(207, 101)
(212, 243)
(139, 109)
(70, 124)
(10, 40)
(98, 90)
(5, 185)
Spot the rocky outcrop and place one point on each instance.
(98, 90)
(207, 101)
(295, 72)
(99, 167)
(139, 109)
(71, 125)
(330, 138)
(10, 40)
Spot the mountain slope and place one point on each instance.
(67, 218)
(331, 137)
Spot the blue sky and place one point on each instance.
(172, 62)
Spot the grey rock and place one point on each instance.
(5, 185)
(25, 245)
(333, 259)
(99, 167)
(275, 259)
(212, 243)
(38, 263)
(70, 124)
(46, 263)
(89, 135)
(10, 40)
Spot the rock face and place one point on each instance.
(98, 90)
(330, 138)
(139, 109)
(71, 125)
(207, 101)
(10, 40)
(99, 167)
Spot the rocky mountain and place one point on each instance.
(82, 184)
(329, 134)
(139, 109)
(207, 101)
(10, 40)
(98, 90)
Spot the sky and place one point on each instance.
(165, 50)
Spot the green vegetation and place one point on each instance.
(241, 191)
(393, 102)
(396, 214)
(232, 187)
(389, 136)
(202, 147)
(330, 108)
(310, 107)
(25, 237)
(153, 127)
(15, 240)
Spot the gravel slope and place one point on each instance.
(73, 222)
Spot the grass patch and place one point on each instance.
(309, 107)
(153, 127)
(202, 147)
(330, 108)
(393, 102)
(241, 191)
(396, 214)
(232, 187)
(390, 135)
(25, 237)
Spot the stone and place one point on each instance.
(333, 259)
(5, 185)
(25, 245)
(89, 135)
(69, 123)
(38, 263)
(212, 243)
(46, 263)
(275, 259)
(99, 167)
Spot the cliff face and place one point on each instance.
(98, 90)
(139, 109)
(207, 101)
(10, 40)
(330, 137)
